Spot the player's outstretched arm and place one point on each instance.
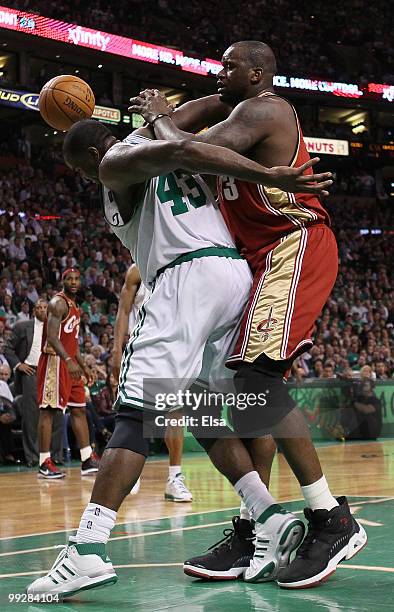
(238, 129)
(127, 165)
(210, 159)
(192, 116)
(198, 114)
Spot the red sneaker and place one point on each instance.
(91, 464)
(49, 470)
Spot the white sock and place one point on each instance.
(244, 512)
(96, 524)
(173, 470)
(44, 456)
(254, 494)
(85, 453)
(318, 496)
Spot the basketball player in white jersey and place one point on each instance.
(199, 284)
(132, 296)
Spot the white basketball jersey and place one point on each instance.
(177, 214)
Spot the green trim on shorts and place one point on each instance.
(207, 252)
(137, 399)
(129, 348)
(120, 402)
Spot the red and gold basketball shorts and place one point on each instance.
(291, 284)
(56, 388)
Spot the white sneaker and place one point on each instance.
(136, 487)
(176, 490)
(278, 534)
(78, 567)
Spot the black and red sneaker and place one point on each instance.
(91, 465)
(49, 470)
(333, 536)
(228, 558)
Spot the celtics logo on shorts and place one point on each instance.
(267, 326)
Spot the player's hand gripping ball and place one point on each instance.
(64, 100)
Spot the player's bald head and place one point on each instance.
(82, 135)
(248, 68)
(85, 144)
(255, 54)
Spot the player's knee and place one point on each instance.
(78, 413)
(129, 432)
(263, 399)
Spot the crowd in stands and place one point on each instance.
(50, 220)
(356, 328)
(319, 40)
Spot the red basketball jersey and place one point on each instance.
(258, 216)
(69, 329)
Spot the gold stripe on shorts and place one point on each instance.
(269, 321)
(50, 396)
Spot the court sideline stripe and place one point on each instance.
(165, 531)
(137, 521)
(369, 568)
(124, 537)
(378, 498)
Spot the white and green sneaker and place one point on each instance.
(78, 567)
(176, 490)
(278, 534)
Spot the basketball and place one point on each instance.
(64, 100)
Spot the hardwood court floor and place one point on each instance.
(153, 537)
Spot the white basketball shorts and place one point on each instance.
(185, 330)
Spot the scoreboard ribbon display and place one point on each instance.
(70, 33)
(36, 25)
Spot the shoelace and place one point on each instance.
(224, 542)
(180, 482)
(313, 534)
(60, 557)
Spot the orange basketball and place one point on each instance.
(64, 100)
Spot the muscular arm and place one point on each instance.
(57, 310)
(127, 297)
(193, 116)
(248, 123)
(127, 165)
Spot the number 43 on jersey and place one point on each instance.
(183, 192)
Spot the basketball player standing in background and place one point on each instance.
(60, 384)
(132, 296)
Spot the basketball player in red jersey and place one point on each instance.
(292, 252)
(59, 377)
